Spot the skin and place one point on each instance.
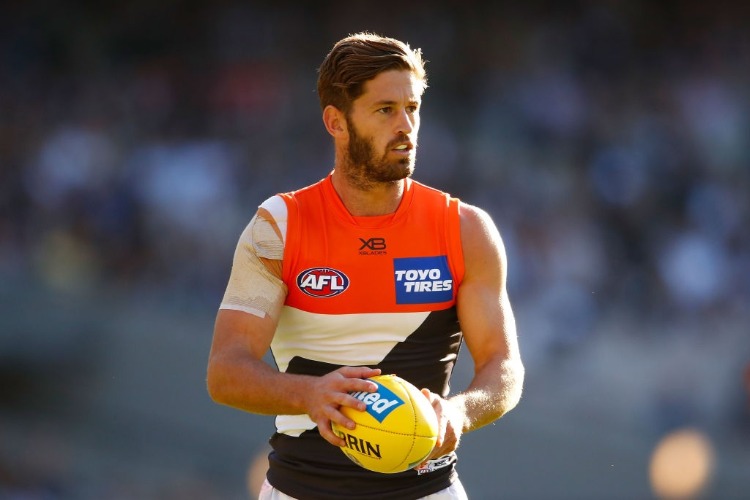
(369, 178)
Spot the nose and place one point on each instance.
(406, 122)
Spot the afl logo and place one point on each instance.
(322, 282)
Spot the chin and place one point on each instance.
(408, 169)
(403, 171)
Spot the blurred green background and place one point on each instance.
(609, 140)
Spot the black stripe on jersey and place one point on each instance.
(333, 476)
(424, 358)
(420, 358)
(308, 467)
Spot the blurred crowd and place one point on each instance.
(609, 140)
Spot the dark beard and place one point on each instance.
(365, 170)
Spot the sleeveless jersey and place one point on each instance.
(365, 291)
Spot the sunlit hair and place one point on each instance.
(359, 58)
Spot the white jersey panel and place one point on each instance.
(341, 339)
(277, 208)
(294, 425)
(346, 340)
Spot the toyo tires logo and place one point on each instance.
(322, 282)
(423, 280)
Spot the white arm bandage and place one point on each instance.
(255, 284)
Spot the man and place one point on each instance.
(362, 273)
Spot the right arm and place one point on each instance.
(237, 376)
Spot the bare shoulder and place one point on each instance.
(480, 237)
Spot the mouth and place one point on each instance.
(403, 148)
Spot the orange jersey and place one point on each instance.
(375, 291)
(335, 263)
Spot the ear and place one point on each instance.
(335, 122)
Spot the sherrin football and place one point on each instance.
(395, 433)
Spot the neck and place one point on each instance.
(375, 199)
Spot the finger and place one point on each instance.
(326, 432)
(356, 385)
(442, 424)
(437, 452)
(359, 371)
(440, 450)
(325, 425)
(344, 421)
(435, 401)
(346, 399)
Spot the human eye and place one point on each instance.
(385, 110)
(413, 108)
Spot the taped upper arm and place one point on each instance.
(255, 283)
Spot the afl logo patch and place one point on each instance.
(322, 282)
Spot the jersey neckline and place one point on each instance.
(372, 221)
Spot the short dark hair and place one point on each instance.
(359, 58)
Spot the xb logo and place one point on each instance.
(372, 244)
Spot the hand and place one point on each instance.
(450, 425)
(331, 391)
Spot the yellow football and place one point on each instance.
(395, 433)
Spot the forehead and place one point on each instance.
(392, 86)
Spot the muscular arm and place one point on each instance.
(489, 330)
(237, 375)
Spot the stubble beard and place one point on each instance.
(365, 170)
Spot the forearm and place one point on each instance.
(254, 386)
(495, 390)
(243, 381)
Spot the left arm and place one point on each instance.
(489, 330)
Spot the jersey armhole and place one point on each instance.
(453, 229)
(288, 204)
(277, 209)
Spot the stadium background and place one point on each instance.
(609, 140)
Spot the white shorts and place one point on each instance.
(453, 492)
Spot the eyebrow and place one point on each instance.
(391, 103)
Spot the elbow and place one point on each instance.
(514, 374)
(214, 384)
(520, 374)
